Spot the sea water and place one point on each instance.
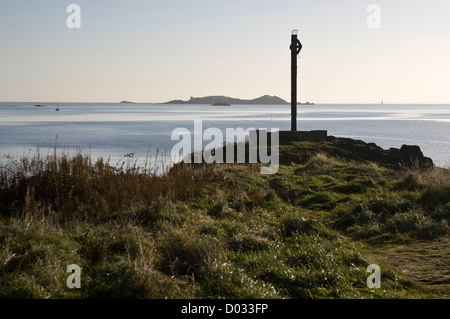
(118, 131)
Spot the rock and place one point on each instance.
(408, 156)
(356, 150)
(293, 150)
(411, 155)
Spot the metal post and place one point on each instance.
(296, 47)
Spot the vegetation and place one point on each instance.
(222, 231)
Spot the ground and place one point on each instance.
(424, 262)
(224, 231)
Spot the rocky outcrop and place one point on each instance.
(407, 156)
(299, 147)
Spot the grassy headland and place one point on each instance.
(223, 231)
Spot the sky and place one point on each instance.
(160, 50)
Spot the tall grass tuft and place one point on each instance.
(76, 187)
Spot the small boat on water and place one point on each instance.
(57, 109)
(39, 105)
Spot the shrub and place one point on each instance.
(412, 182)
(324, 160)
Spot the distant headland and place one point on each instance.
(225, 100)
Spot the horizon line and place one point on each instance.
(288, 103)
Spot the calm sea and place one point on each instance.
(116, 130)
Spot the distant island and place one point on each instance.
(225, 100)
(126, 102)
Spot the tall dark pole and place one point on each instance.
(296, 47)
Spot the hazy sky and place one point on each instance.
(159, 50)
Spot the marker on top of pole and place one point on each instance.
(295, 47)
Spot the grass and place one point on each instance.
(222, 231)
(425, 261)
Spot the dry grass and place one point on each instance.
(426, 262)
(75, 187)
(323, 160)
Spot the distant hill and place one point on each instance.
(263, 100)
